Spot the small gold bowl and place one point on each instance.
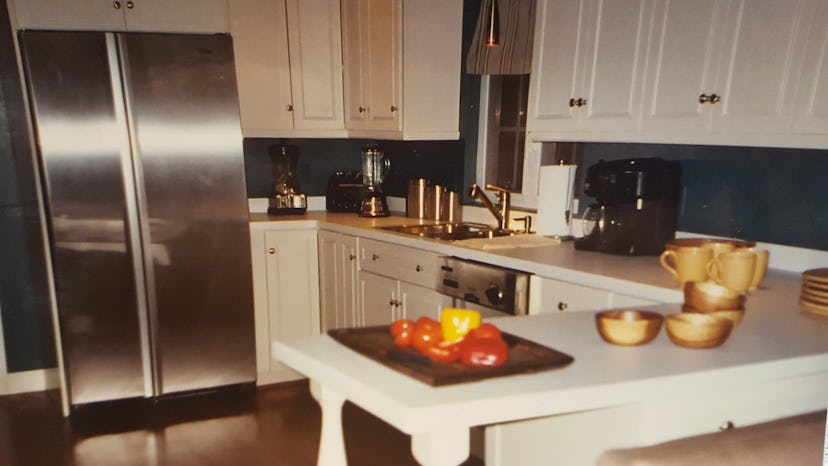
(734, 315)
(710, 296)
(628, 327)
(697, 330)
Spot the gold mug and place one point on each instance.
(687, 263)
(762, 256)
(733, 270)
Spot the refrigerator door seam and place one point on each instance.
(135, 200)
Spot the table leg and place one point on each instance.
(446, 446)
(331, 441)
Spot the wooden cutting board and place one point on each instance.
(376, 343)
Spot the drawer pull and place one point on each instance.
(271, 251)
(562, 306)
(419, 268)
(374, 257)
(726, 425)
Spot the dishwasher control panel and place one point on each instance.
(501, 289)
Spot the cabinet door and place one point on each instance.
(371, 50)
(614, 66)
(259, 30)
(315, 63)
(686, 39)
(760, 62)
(77, 15)
(292, 284)
(811, 115)
(337, 280)
(378, 298)
(189, 16)
(557, 76)
(418, 301)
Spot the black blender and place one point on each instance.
(286, 198)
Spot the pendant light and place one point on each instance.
(493, 26)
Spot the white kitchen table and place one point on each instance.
(774, 364)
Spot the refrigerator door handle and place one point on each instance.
(136, 212)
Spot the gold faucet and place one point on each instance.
(502, 210)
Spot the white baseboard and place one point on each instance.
(29, 381)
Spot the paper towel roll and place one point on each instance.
(555, 189)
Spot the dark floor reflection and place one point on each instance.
(275, 425)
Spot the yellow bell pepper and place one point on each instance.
(456, 323)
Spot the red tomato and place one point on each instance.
(486, 331)
(427, 333)
(484, 352)
(402, 331)
(444, 352)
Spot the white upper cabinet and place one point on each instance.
(588, 65)
(289, 65)
(402, 68)
(811, 110)
(726, 72)
(196, 16)
(727, 67)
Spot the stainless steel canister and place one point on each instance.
(451, 210)
(434, 202)
(415, 205)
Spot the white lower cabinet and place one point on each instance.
(547, 296)
(384, 300)
(285, 294)
(338, 286)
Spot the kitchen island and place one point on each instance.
(774, 364)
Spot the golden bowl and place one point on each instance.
(709, 296)
(733, 315)
(698, 242)
(628, 327)
(697, 330)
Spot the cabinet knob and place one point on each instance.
(374, 257)
(362, 109)
(726, 425)
(579, 102)
(290, 107)
(271, 250)
(130, 5)
(419, 268)
(393, 108)
(352, 257)
(562, 306)
(116, 4)
(710, 99)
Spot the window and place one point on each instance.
(504, 157)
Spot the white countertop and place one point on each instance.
(639, 276)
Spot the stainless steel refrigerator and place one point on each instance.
(140, 152)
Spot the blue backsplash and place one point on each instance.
(756, 193)
(441, 162)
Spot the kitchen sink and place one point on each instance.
(451, 231)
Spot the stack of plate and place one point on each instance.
(814, 295)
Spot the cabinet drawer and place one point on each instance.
(399, 262)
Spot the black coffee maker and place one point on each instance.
(637, 206)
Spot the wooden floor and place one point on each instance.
(275, 425)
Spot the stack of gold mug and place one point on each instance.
(715, 274)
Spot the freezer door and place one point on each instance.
(183, 111)
(84, 157)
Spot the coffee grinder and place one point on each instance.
(637, 206)
(286, 198)
(374, 168)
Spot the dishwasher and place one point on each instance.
(493, 291)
